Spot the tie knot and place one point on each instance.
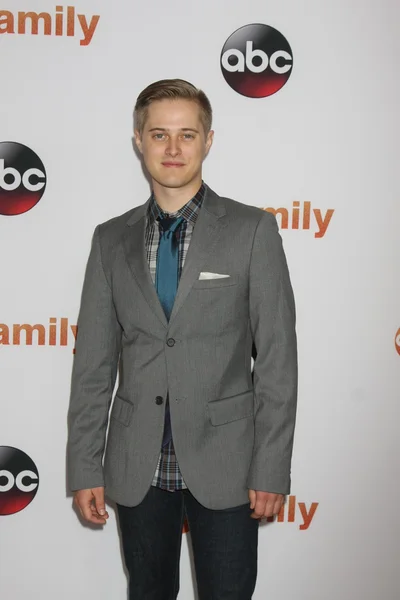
(170, 224)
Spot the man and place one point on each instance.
(179, 293)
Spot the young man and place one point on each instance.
(179, 293)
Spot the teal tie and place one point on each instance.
(167, 279)
(167, 264)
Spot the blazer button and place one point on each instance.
(170, 342)
(159, 400)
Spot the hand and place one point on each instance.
(91, 505)
(265, 504)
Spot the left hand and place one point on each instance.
(265, 504)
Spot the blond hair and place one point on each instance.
(172, 89)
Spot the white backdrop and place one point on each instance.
(330, 138)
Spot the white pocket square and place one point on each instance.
(205, 275)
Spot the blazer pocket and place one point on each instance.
(209, 284)
(233, 408)
(122, 411)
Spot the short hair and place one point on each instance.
(171, 89)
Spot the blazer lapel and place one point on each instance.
(135, 251)
(205, 234)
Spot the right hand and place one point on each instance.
(91, 505)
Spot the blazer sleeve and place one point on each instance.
(272, 320)
(93, 375)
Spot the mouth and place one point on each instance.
(172, 165)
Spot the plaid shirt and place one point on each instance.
(168, 475)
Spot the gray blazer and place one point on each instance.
(232, 429)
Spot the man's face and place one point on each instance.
(173, 142)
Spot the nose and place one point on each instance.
(173, 148)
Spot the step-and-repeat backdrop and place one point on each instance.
(306, 100)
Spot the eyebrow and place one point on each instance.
(182, 129)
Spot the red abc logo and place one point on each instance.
(397, 341)
(19, 480)
(256, 60)
(22, 178)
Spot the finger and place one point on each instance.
(99, 502)
(96, 514)
(86, 512)
(90, 514)
(269, 507)
(278, 504)
(252, 498)
(259, 508)
(94, 509)
(95, 519)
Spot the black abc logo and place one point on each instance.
(19, 480)
(22, 178)
(256, 60)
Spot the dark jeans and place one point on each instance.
(224, 547)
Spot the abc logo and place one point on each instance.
(397, 341)
(22, 178)
(256, 60)
(19, 480)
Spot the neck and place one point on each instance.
(172, 199)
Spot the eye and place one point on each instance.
(159, 136)
(188, 136)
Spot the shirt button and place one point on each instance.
(170, 342)
(159, 400)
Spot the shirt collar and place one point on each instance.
(190, 211)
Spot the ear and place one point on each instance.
(138, 140)
(209, 141)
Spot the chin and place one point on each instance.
(174, 185)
